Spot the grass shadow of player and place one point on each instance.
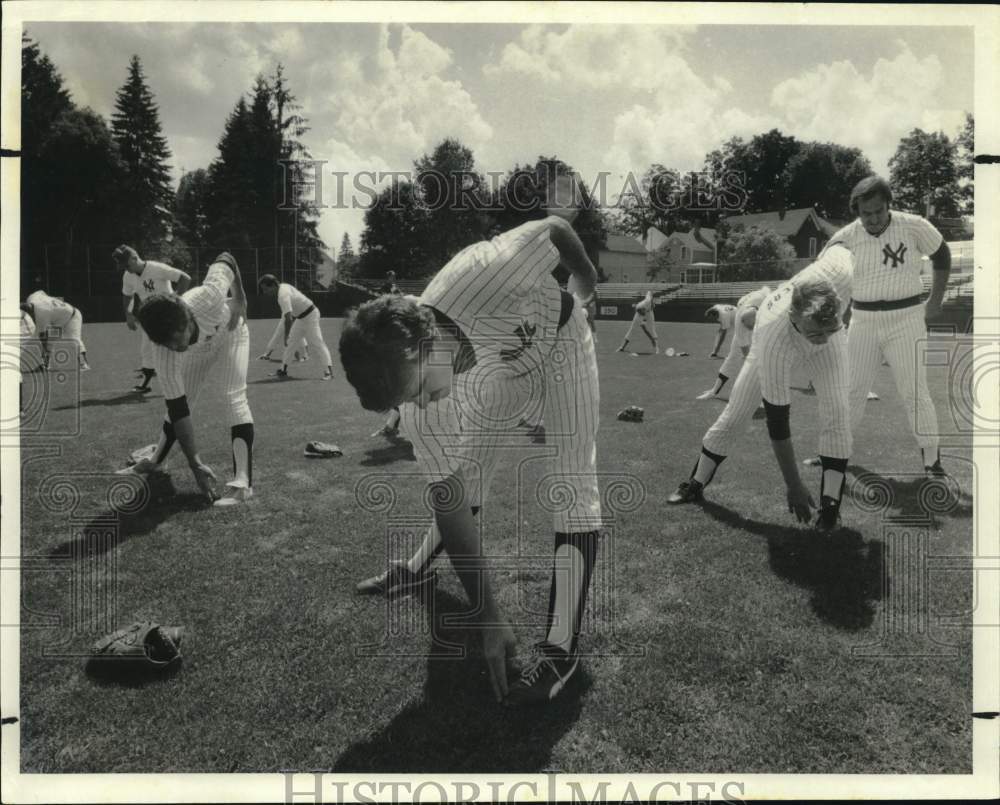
(129, 398)
(843, 572)
(276, 380)
(911, 494)
(457, 726)
(111, 528)
(397, 450)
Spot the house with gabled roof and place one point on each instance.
(623, 259)
(689, 256)
(803, 228)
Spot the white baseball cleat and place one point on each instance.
(872, 395)
(706, 395)
(234, 495)
(143, 466)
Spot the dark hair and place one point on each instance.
(162, 316)
(380, 347)
(867, 188)
(267, 279)
(122, 254)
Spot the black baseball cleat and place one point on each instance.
(547, 672)
(935, 470)
(281, 374)
(688, 492)
(828, 515)
(396, 582)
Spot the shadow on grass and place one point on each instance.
(911, 494)
(126, 674)
(129, 398)
(457, 726)
(272, 379)
(843, 572)
(111, 528)
(398, 450)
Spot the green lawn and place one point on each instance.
(719, 638)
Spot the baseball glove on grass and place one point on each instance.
(141, 648)
(631, 414)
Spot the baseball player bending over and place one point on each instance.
(202, 337)
(645, 319)
(301, 319)
(743, 323)
(888, 319)
(464, 362)
(56, 318)
(725, 316)
(278, 340)
(798, 326)
(143, 278)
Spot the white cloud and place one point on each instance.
(623, 57)
(836, 102)
(404, 104)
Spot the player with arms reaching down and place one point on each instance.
(888, 318)
(744, 320)
(645, 319)
(301, 318)
(464, 362)
(201, 337)
(143, 278)
(799, 326)
(53, 316)
(725, 315)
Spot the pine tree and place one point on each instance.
(146, 195)
(230, 188)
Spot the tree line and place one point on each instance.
(88, 184)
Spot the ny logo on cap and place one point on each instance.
(896, 256)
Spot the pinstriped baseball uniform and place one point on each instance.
(155, 278)
(57, 315)
(306, 325)
(887, 269)
(742, 335)
(217, 353)
(517, 363)
(644, 317)
(778, 348)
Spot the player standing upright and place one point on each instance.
(475, 352)
(725, 315)
(799, 326)
(143, 278)
(888, 319)
(301, 319)
(55, 318)
(743, 323)
(645, 319)
(200, 338)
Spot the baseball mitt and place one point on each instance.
(631, 414)
(143, 647)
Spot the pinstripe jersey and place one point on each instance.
(155, 278)
(49, 311)
(292, 300)
(743, 335)
(727, 314)
(503, 297)
(645, 305)
(777, 345)
(211, 313)
(887, 266)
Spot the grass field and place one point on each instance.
(721, 638)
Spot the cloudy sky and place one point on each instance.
(600, 97)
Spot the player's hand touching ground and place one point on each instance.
(801, 502)
(498, 649)
(206, 479)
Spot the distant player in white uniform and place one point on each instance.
(491, 338)
(278, 342)
(301, 319)
(725, 315)
(744, 319)
(888, 319)
(202, 338)
(143, 278)
(799, 326)
(54, 318)
(645, 319)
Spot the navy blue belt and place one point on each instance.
(306, 312)
(894, 304)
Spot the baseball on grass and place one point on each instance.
(669, 352)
